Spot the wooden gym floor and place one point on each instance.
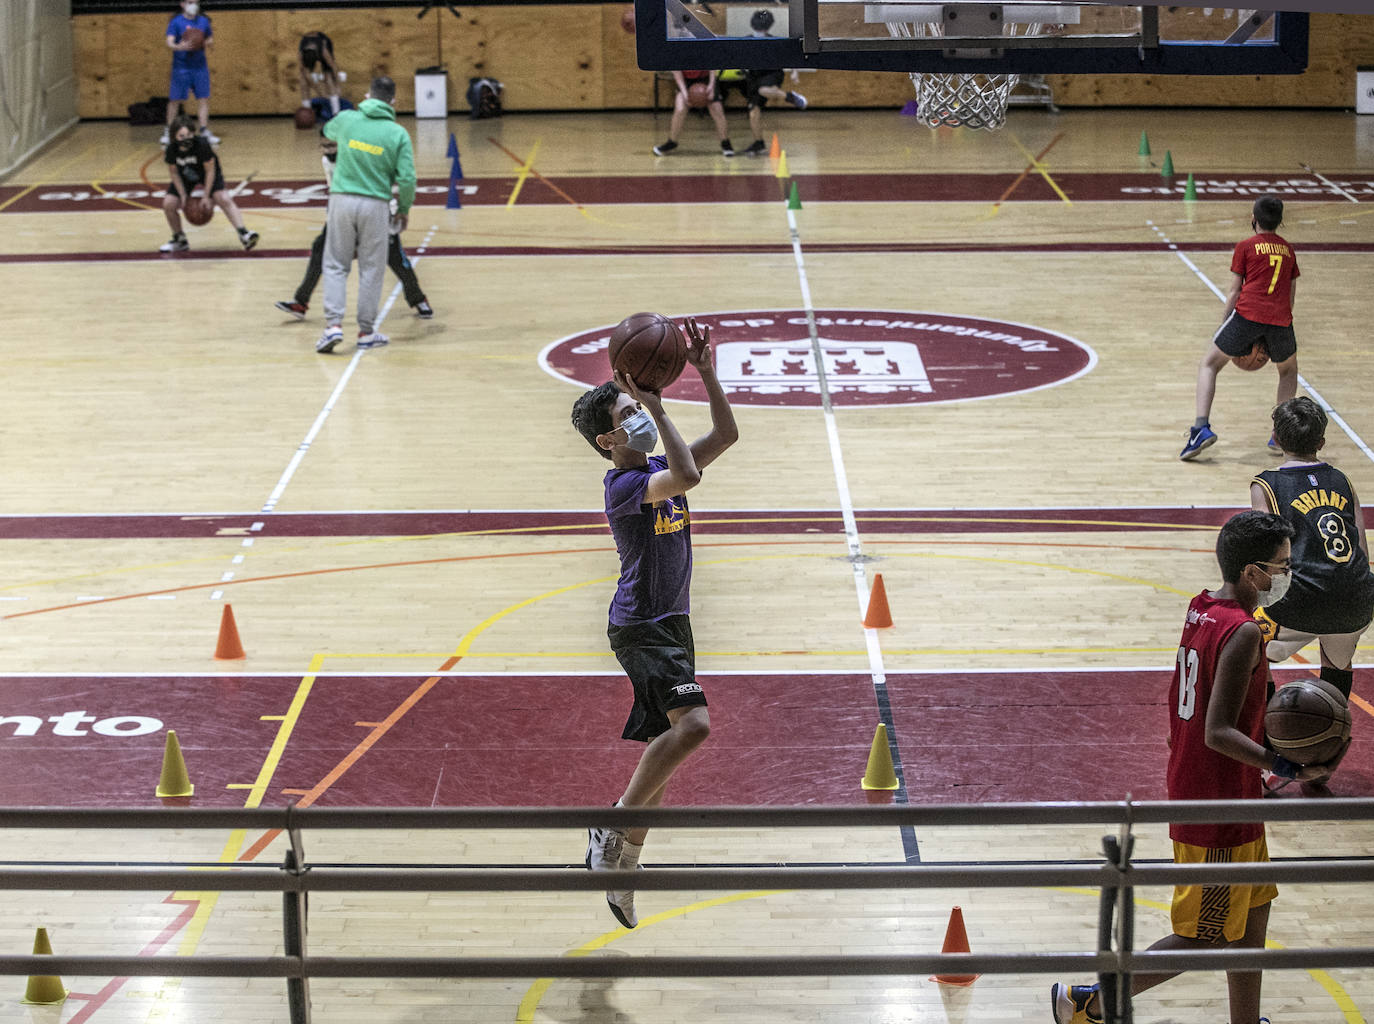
(411, 543)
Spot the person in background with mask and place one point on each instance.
(319, 71)
(190, 69)
(1332, 596)
(649, 628)
(193, 165)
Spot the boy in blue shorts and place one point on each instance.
(649, 629)
(190, 69)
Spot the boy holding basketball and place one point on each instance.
(649, 628)
(1217, 697)
(1259, 310)
(189, 37)
(1332, 596)
(193, 164)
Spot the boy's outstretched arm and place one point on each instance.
(723, 433)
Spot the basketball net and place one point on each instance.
(959, 100)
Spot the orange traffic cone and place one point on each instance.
(956, 941)
(877, 615)
(228, 648)
(173, 781)
(774, 150)
(43, 989)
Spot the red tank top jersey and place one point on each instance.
(1268, 265)
(1196, 771)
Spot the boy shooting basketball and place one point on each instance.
(649, 628)
(1259, 308)
(1332, 596)
(1216, 752)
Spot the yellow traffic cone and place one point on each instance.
(781, 172)
(174, 781)
(44, 989)
(880, 774)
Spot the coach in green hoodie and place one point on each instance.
(375, 153)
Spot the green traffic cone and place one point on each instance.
(1190, 190)
(793, 199)
(1167, 170)
(1144, 145)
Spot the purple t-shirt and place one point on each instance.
(655, 547)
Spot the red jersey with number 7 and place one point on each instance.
(1268, 265)
(1196, 771)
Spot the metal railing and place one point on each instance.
(1114, 959)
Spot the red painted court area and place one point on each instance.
(760, 187)
(524, 740)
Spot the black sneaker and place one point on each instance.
(665, 147)
(756, 148)
(726, 149)
(424, 310)
(293, 308)
(177, 243)
(249, 239)
(797, 100)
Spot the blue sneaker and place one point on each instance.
(1198, 439)
(1274, 445)
(1070, 1004)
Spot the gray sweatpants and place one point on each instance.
(358, 226)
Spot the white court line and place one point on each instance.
(851, 525)
(1316, 397)
(1329, 184)
(299, 455)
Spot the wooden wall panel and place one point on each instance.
(565, 57)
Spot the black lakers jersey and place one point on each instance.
(1332, 590)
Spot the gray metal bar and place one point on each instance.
(1065, 813)
(923, 876)
(1249, 26)
(682, 967)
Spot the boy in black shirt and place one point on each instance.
(193, 164)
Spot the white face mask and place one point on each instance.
(641, 432)
(191, 10)
(1278, 586)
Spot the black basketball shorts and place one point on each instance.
(660, 659)
(1237, 335)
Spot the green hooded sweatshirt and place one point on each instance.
(374, 152)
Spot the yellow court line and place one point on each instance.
(95, 184)
(522, 175)
(530, 1003)
(50, 179)
(288, 724)
(1041, 169)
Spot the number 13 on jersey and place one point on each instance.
(1187, 683)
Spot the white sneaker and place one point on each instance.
(209, 136)
(604, 846)
(331, 337)
(165, 139)
(622, 904)
(373, 340)
(177, 243)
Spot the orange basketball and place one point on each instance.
(305, 118)
(1257, 357)
(1307, 721)
(195, 37)
(698, 95)
(199, 210)
(649, 348)
(627, 19)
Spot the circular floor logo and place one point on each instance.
(869, 357)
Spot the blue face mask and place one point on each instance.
(641, 432)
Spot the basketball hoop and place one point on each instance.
(957, 100)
